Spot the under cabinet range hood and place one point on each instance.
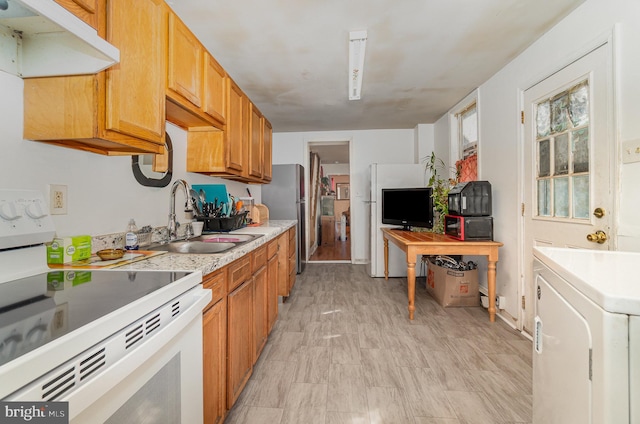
(40, 38)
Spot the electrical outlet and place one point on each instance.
(58, 199)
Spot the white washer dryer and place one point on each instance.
(586, 360)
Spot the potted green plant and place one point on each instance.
(326, 189)
(441, 184)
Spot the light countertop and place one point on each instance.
(209, 262)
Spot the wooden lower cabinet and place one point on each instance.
(239, 340)
(328, 234)
(293, 266)
(214, 328)
(287, 267)
(214, 332)
(283, 265)
(260, 329)
(272, 291)
(237, 322)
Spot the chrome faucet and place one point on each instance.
(173, 225)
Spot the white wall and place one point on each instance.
(367, 147)
(500, 137)
(336, 168)
(424, 135)
(102, 192)
(442, 135)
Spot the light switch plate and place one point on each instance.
(631, 151)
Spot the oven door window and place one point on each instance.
(158, 401)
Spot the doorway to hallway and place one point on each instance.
(329, 220)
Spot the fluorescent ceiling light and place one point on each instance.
(357, 44)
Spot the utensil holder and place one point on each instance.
(227, 223)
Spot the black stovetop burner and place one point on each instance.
(38, 309)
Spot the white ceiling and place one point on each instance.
(422, 56)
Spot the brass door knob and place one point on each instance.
(598, 212)
(597, 237)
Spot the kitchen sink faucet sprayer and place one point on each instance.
(173, 225)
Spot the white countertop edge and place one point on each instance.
(608, 278)
(207, 263)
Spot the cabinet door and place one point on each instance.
(283, 265)
(135, 103)
(215, 89)
(272, 292)
(260, 293)
(267, 148)
(87, 10)
(255, 142)
(293, 266)
(328, 230)
(235, 134)
(185, 62)
(214, 329)
(239, 340)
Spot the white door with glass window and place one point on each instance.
(567, 162)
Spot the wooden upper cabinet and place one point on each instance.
(118, 111)
(215, 89)
(221, 153)
(87, 10)
(196, 83)
(236, 134)
(267, 143)
(256, 151)
(135, 87)
(185, 68)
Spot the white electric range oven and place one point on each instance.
(118, 346)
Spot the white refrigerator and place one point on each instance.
(387, 176)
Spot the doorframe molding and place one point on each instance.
(610, 39)
(327, 141)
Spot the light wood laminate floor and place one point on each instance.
(339, 251)
(344, 352)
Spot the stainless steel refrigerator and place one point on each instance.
(285, 198)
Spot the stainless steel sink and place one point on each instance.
(229, 238)
(210, 243)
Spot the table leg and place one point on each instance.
(411, 283)
(386, 259)
(491, 283)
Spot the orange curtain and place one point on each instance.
(468, 168)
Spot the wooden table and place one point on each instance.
(414, 244)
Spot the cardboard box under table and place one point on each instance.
(450, 287)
